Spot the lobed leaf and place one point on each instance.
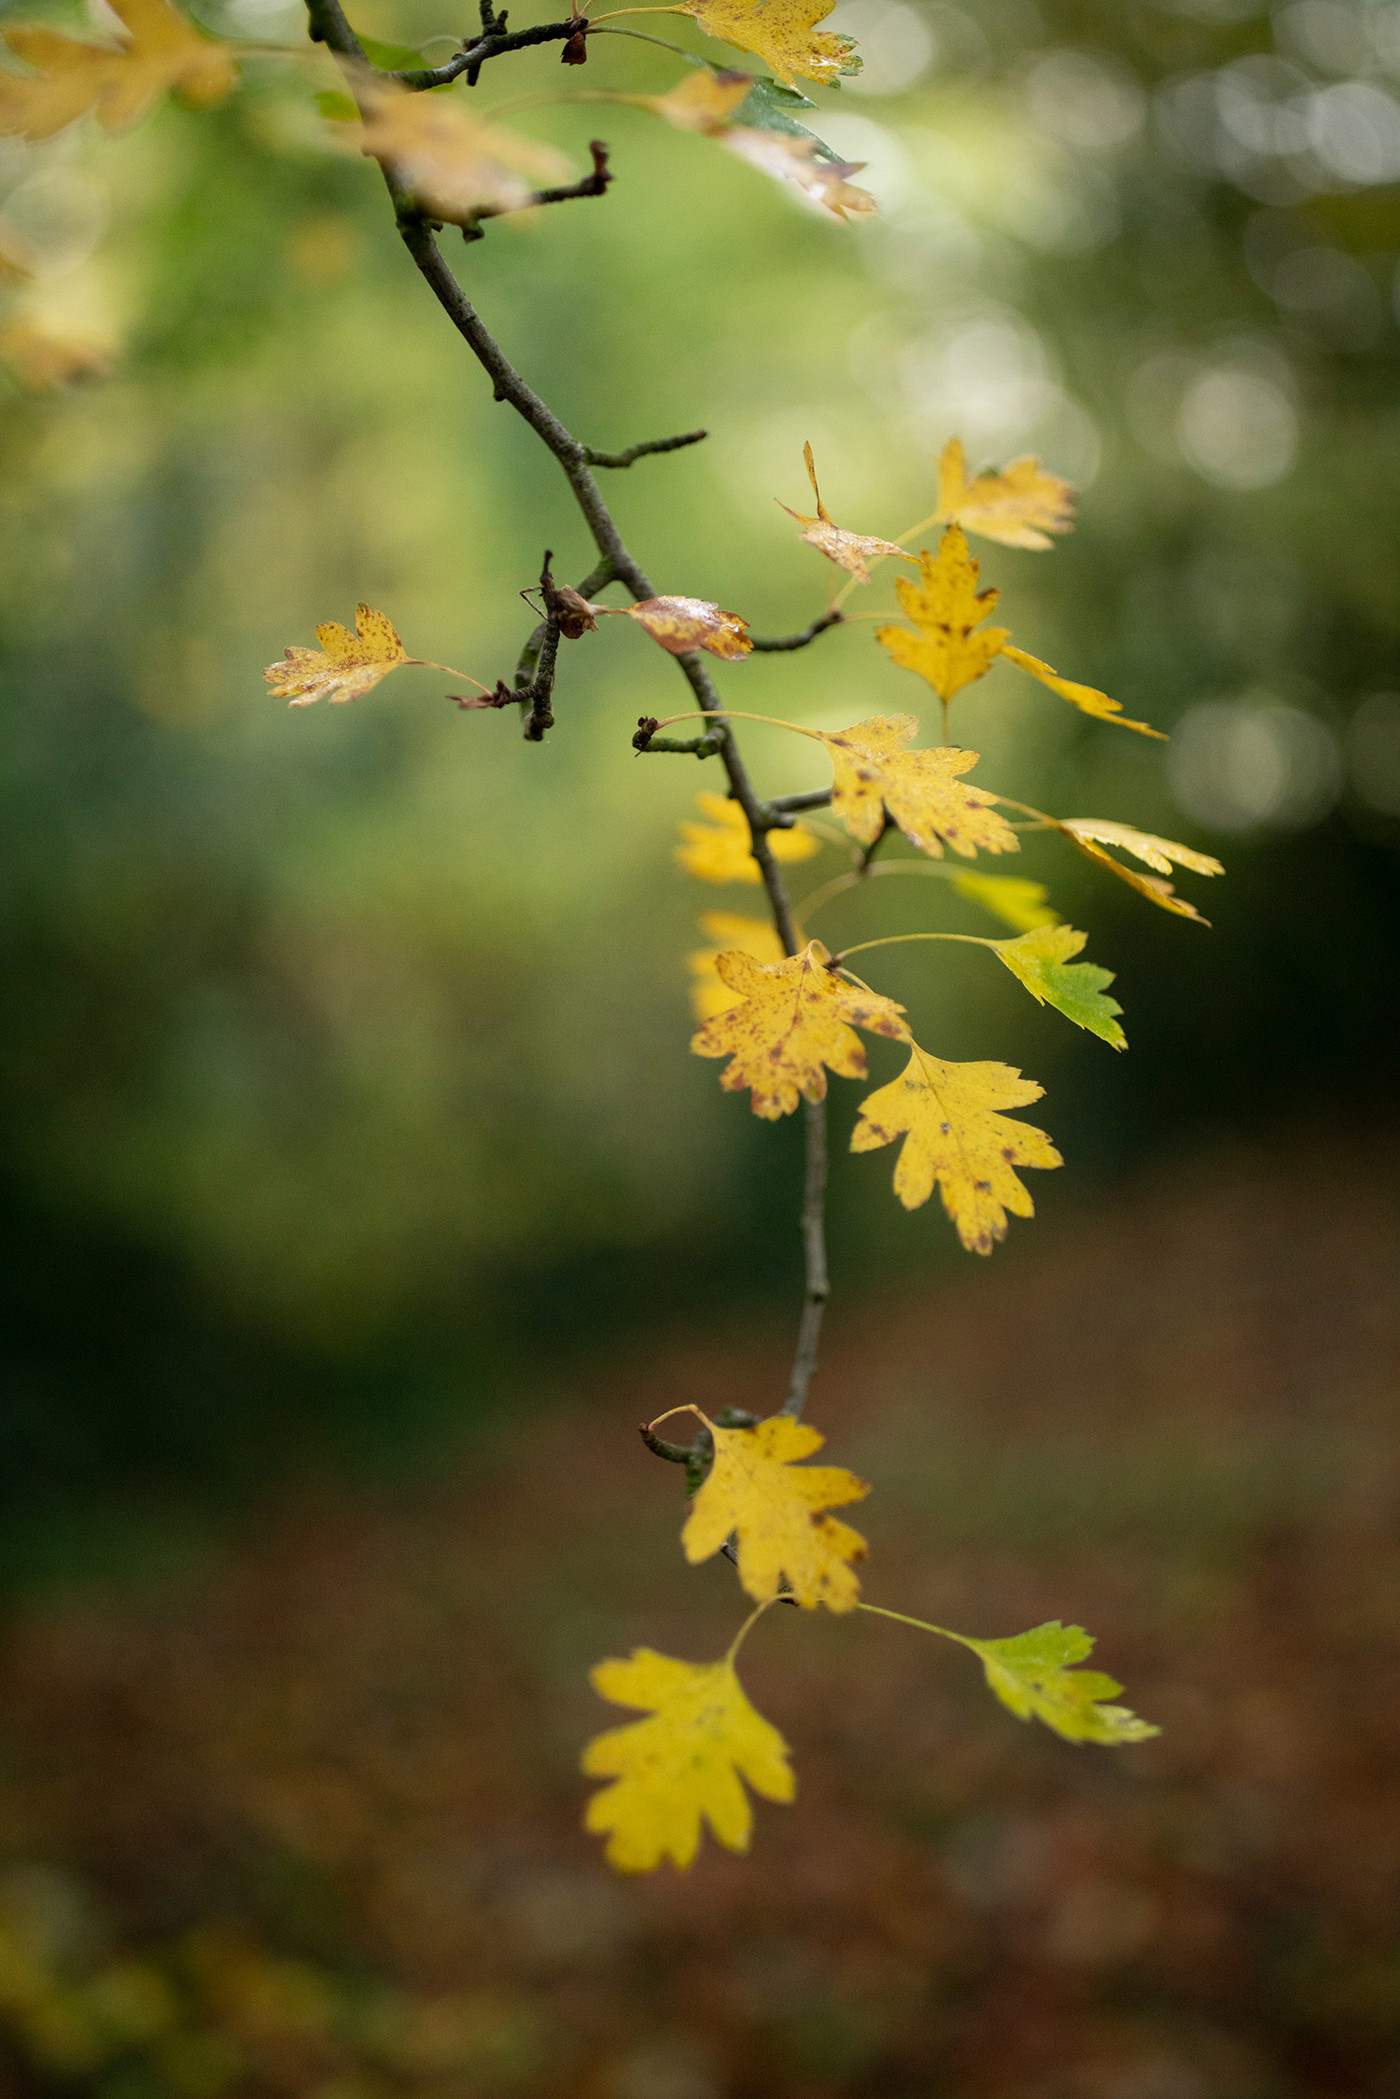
(922, 790)
(1087, 698)
(781, 33)
(786, 1543)
(1032, 1676)
(709, 994)
(794, 1020)
(161, 53)
(721, 850)
(346, 665)
(1018, 507)
(1091, 833)
(681, 1766)
(955, 1139)
(1041, 961)
(948, 651)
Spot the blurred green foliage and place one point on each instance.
(346, 1062)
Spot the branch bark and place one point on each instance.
(328, 25)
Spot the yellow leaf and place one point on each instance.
(1092, 833)
(923, 791)
(682, 624)
(948, 651)
(954, 1137)
(344, 667)
(709, 994)
(851, 551)
(722, 850)
(704, 101)
(45, 355)
(684, 1762)
(1087, 698)
(753, 1492)
(795, 1017)
(1017, 507)
(781, 33)
(450, 161)
(1015, 902)
(116, 82)
(952, 648)
(1160, 854)
(799, 160)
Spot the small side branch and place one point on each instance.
(535, 697)
(594, 185)
(492, 44)
(785, 643)
(646, 741)
(651, 444)
(793, 804)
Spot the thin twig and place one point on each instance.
(818, 1283)
(650, 444)
(787, 642)
(594, 185)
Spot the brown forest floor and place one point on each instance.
(307, 1822)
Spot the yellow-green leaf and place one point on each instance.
(721, 849)
(955, 1139)
(754, 1492)
(795, 1018)
(1041, 960)
(1014, 901)
(1032, 1675)
(683, 1763)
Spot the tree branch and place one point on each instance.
(787, 642)
(472, 57)
(789, 804)
(594, 185)
(328, 25)
(650, 444)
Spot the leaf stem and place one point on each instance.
(921, 1624)
(426, 663)
(820, 898)
(747, 1627)
(898, 939)
(735, 714)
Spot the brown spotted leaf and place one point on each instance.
(346, 665)
(956, 1138)
(852, 551)
(1018, 507)
(794, 1020)
(923, 790)
(781, 33)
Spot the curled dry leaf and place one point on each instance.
(872, 772)
(721, 850)
(451, 162)
(730, 930)
(956, 1139)
(159, 53)
(851, 551)
(794, 1019)
(683, 1763)
(344, 667)
(574, 613)
(754, 1493)
(682, 624)
(1019, 506)
(1041, 960)
(1092, 833)
(953, 647)
(781, 33)
(822, 181)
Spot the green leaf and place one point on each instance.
(1032, 1675)
(1010, 898)
(768, 106)
(1041, 960)
(336, 108)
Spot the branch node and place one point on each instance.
(641, 451)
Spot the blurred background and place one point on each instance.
(359, 1195)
